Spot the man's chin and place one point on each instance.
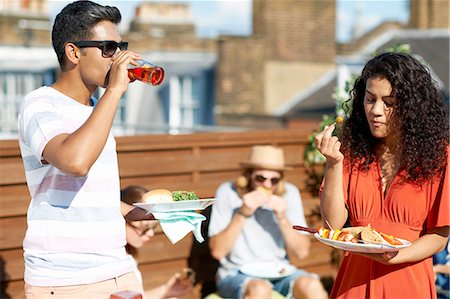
(106, 81)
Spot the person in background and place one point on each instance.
(389, 168)
(251, 222)
(138, 234)
(74, 245)
(441, 268)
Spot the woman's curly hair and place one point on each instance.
(420, 115)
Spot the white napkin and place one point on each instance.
(176, 225)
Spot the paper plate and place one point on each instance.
(268, 270)
(184, 205)
(362, 247)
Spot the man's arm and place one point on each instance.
(76, 153)
(131, 213)
(222, 243)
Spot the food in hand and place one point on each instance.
(264, 190)
(165, 196)
(339, 119)
(337, 235)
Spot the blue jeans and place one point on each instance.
(231, 286)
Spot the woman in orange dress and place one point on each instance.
(389, 168)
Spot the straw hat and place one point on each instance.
(266, 157)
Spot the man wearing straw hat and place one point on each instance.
(251, 232)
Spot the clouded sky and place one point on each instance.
(213, 17)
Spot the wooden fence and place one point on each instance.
(197, 162)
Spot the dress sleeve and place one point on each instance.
(438, 215)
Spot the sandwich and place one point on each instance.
(371, 235)
(265, 190)
(166, 196)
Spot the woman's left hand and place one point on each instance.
(383, 258)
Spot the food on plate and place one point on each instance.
(355, 234)
(282, 270)
(370, 234)
(165, 196)
(184, 195)
(264, 190)
(337, 235)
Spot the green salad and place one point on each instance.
(183, 195)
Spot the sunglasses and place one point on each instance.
(261, 179)
(108, 47)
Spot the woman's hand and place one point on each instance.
(329, 145)
(383, 258)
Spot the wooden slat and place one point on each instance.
(12, 170)
(159, 248)
(12, 232)
(15, 289)
(13, 264)
(14, 200)
(155, 274)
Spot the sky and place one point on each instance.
(214, 17)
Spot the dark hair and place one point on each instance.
(75, 23)
(132, 194)
(420, 118)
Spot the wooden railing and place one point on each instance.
(197, 162)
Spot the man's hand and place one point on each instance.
(252, 201)
(278, 205)
(118, 73)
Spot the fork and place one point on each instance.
(305, 229)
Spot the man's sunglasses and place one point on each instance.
(108, 47)
(261, 179)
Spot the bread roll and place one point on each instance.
(371, 235)
(158, 196)
(264, 190)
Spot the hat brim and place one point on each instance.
(264, 166)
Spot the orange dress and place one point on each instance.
(406, 212)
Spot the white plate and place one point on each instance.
(361, 247)
(183, 205)
(268, 270)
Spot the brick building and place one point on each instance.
(250, 81)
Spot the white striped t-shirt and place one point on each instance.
(76, 233)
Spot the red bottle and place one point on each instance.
(146, 72)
